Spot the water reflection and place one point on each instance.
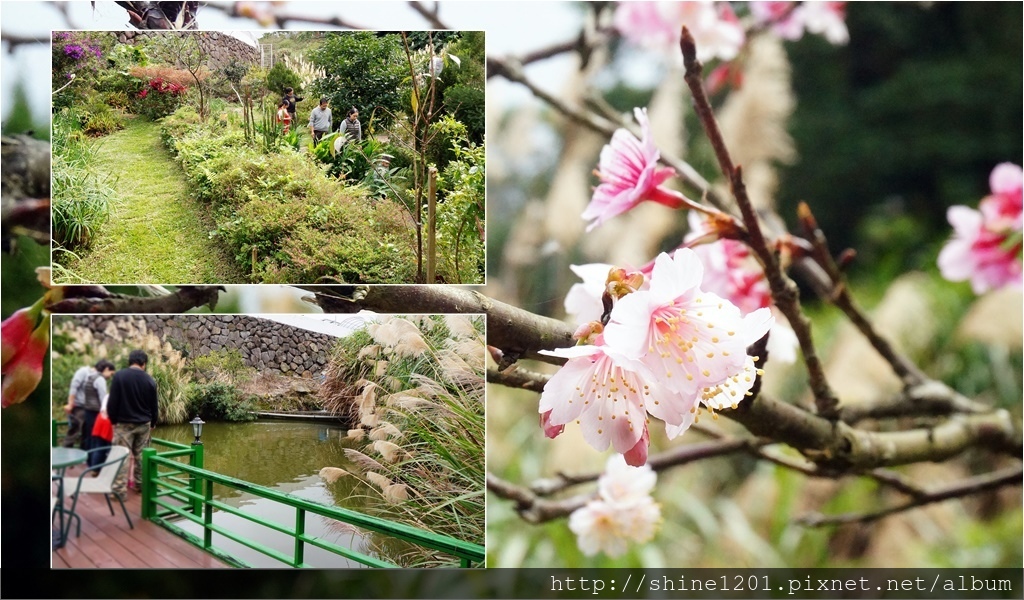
(285, 456)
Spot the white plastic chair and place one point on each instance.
(101, 484)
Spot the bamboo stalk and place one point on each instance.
(431, 223)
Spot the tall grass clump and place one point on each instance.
(413, 389)
(80, 196)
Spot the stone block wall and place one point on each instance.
(221, 47)
(264, 344)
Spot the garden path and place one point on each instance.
(156, 233)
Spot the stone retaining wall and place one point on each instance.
(220, 47)
(264, 344)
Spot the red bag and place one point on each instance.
(102, 428)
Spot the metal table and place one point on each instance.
(60, 460)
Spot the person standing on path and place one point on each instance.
(74, 410)
(91, 396)
(133, 410)
(284, 118)
(350, 128)
(320, 121)
(291, 99)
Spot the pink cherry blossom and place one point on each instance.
(789, 20)
(656, 25)
(629, 174)
(986, 245)
(1004, 208)
(731, 271)
(690, 339)
(604, 391)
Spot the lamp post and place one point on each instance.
(196, 483)
(197, 429)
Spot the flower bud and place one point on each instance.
(16, 329)
(622, 282)
(24, 371)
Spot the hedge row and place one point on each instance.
(285, 220)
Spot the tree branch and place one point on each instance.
(784, 290)
(511, 69)
(836, 445)
(967, 487)
(14, 39)
(675, 457)
(185, 298)
(430, 15)
(531, 508)
(517, 377)
(516, 332)
(830, 445)
(931, 398)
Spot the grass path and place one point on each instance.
(156, 233)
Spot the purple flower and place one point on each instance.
(74, 51)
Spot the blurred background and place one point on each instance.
(880, 136)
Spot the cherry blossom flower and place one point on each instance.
(583, 301)
(789, 20)
(986, 246)
(656, 25)
(623, 512)
(622, 483)
(605, 392)
(689, 338)
(731, 271)
(630, 174)
(1004, 208)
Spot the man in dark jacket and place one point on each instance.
(291, 99)
(133, 411)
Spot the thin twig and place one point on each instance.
(897, 482)
(967, 487)
(511, 69)
(281, 18)
(431, 15)
(840, 296)
(784, 291)
(531, 508)
(675, 457)
(14, 39)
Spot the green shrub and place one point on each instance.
(444, 134)
(466, 105)
(218, 401)
(103, 123)
(461, 217)
(227, 363)
(280, 77)
(284, 218)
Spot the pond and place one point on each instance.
(285, 456)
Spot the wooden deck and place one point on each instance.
(107, 542)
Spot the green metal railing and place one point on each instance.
(175, 485)
(172, 488)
